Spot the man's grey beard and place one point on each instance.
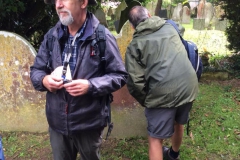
(66, 20)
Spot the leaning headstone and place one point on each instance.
(101, 17)
(21, 108)
(125, 38)
(119, 9)
(209, 12)
(186, 15)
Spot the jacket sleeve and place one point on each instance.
(38, 70)
(136, 80)
(115, 73)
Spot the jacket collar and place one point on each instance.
(148, 26)
(92, 24)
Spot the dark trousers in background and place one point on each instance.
(87, 143)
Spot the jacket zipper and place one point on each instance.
(66, 109)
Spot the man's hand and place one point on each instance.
(52, 83)
(77, 87)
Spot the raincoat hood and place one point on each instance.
(148, 26)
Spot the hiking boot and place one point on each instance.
(166, 154)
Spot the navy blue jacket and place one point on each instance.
(67, 114)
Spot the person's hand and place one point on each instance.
(77, 87)
(52, 82)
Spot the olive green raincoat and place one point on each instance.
(160, 73)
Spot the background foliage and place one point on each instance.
(29, 18)
(33, 18)
(233, 31)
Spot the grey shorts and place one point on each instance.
(161, 120)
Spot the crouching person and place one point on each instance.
(162, 79)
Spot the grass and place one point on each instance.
(214, 132)
(213, 41)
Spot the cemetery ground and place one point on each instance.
(214, 121)
(214, 132)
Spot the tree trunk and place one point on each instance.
(158, 7)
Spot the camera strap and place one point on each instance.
(69, 52)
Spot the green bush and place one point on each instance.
(235, 64)
(233, 30)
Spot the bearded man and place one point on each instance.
(76, 108)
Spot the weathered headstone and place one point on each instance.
(221, 25)
(208, 12)
(170, 10)
(101, 17)
(198, 24)
(200, 10)
(177, 13)
(125, 38)
(119, 9)
(21, 108)
(186, 15)
(127, 113)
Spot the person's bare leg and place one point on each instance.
(177, 136)
(155, 148)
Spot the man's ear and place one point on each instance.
(84, 3)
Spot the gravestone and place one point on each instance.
(101, 17)
(170, 10)
(130, 114)
(119, 9)
(21, 108)
(200, 10)
(125, 38)
(209, 12)
(221, 25)
(198, 24)
(177, 13)
(186, 15)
